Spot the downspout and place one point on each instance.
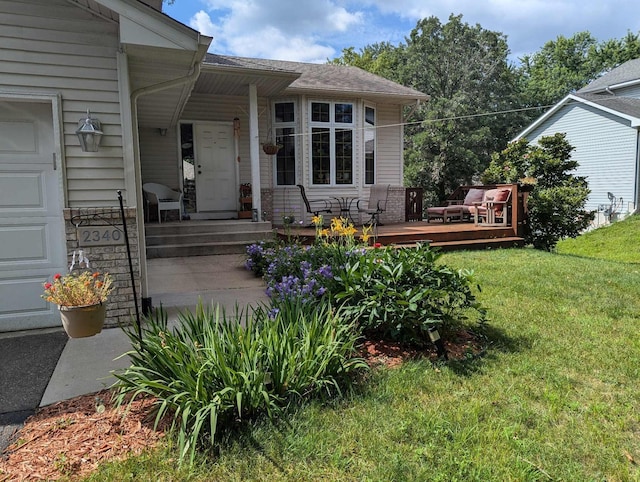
(636, 201)
(142, 243)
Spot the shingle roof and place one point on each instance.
(324, 77)
(627, 72)
(625, 105)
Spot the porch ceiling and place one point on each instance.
(151, 66)
(235, 82)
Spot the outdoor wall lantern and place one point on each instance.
(89, 133)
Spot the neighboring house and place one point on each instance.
(161, 103)
(601, 121)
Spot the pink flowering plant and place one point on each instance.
(81, 289)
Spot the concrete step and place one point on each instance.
(212, 237)
(201, 238)
(195, 227)
(201, 249)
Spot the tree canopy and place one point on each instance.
(477, 95)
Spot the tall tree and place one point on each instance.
(565, 65)
(464, 69)
(381, 58)
(561, 66)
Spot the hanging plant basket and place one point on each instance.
(83, 321)
(270, 149)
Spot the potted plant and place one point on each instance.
(81, 299)
(245, 201)
(271, 148)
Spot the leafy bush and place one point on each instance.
(556, 204)
(395, 294)
(212, 370)
(399, 294)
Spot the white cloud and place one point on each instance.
(314, 30)
(281, 29)
(201, 21)
(528, 24)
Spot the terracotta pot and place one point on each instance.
(83, 321)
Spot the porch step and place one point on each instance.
(203, 238)
(487, 243)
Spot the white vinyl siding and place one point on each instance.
(389, 156)
(605, 148)
(53, 47)
(160, 156)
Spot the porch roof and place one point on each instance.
(162, 56)
(306, 78)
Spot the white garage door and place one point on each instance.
(31, 224)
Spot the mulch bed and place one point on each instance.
(71, 438)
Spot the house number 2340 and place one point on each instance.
(99, 236)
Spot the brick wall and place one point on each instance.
(395, 206)
(267, 204)
(109, 258)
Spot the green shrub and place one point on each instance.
(399, 294)
(212, 370)
(556, 204)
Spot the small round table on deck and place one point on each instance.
(345, 203)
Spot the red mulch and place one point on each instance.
(72, 437)
(392, 354)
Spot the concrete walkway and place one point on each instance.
(176, 284)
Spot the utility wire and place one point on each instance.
(440, 119)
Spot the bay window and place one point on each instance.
(332, 142)
(285, 129)
(369, 145)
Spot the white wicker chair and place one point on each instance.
(164, 197)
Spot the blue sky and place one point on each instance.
(314, 30)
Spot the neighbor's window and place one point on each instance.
(369, 145)
(284, 122)
(331, 142)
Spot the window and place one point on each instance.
(369, 145)
(284, 122)
(331, 143)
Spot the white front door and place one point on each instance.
(216, 183)
(32, 242)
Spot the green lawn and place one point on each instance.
(555, 397)
(616, 242)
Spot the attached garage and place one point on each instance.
(31, 224)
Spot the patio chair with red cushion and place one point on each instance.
(457, 210)
(493, 209)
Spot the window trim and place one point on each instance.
(332, 126)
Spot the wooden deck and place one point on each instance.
(449, 236)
